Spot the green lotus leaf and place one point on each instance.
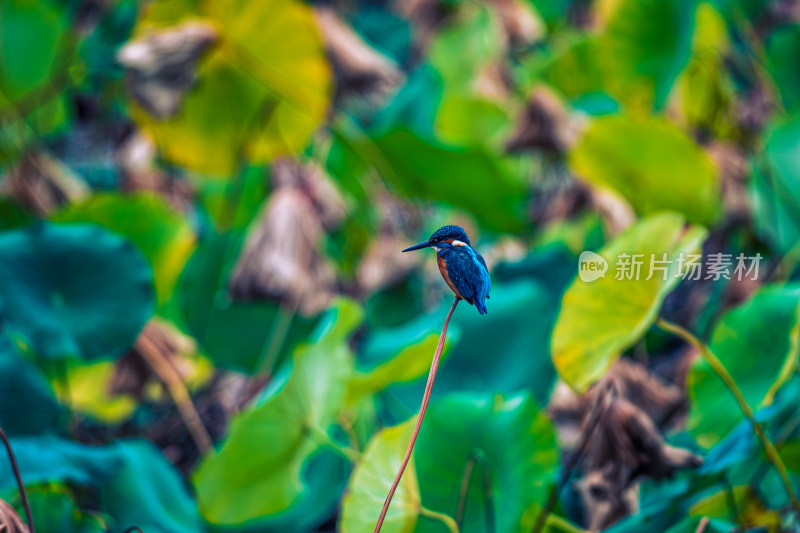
(775, 186)
(489, 186)
(753, 341)
(234, 335)
(36, 51)
(510, 442)
(54, 511)
(258, 470)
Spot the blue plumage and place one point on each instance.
(462, 267)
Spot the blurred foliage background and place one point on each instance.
(206, 324)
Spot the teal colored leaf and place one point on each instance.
(258, 471)
(73, 290)
(135, 483)
(147, 491)
(160, 232)
(27, 403)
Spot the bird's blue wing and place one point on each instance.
(468, 273)
(480, 258)
(460, 270)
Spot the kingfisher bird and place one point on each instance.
(462, 267)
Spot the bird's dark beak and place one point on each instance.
(419, 246)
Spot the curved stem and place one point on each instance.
(425, 399)
(177, 390)
(701, 526)
(22, 493)
(274, 343)
(443, 518)
(133, 528)
(562, 524)
(717, 366)
(790, 362)
(323, 439)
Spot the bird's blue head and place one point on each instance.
(446, 235)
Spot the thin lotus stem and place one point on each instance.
(789, 366)
(717, 366)
(441, 517)
(133, 528)
(425, 398)
(277, 336)
(22, 493)
(475, 458)
(702, 525)
(174, 384)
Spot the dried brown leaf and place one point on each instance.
(545, 124)
(282, 258)
(161, 65)
(42, 184)
(361, 71)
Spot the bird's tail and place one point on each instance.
(480, 305)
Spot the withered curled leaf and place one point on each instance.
(42, 184)
(132, 372)
(361, 71)
(281, 257)
(161, 65)
(619, 420)
(545, 124)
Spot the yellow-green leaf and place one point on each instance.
(260, 92)
(599, 319)
(371, 480)
(650, 163)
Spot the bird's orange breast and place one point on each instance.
(445, 275)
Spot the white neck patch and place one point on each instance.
(459, 243)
